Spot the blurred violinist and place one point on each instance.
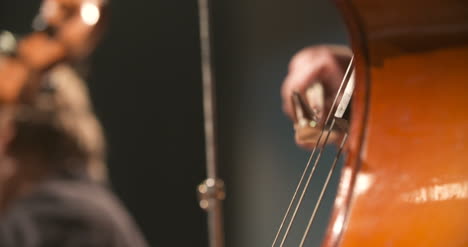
(53, 182)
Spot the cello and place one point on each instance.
(405, 179)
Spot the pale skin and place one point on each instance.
(325, 64)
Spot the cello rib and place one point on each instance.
(406, 178)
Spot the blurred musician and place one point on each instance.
(53, 187)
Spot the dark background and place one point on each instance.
(146, 84)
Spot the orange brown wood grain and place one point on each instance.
(406, 178)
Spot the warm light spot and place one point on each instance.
(443, 192)
(338, 225)
(346, 180)
(7, 42)
(204, 204)
(90, 13)
(210, 182)
(363, 183)
(49, 9)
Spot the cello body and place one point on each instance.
(405, 182)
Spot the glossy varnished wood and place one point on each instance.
(406, 178)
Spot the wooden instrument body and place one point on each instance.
(405, 182)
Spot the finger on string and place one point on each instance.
(285, 235)
(297, 81)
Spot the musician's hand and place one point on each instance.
(325, 64)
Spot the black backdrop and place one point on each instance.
(145, 83)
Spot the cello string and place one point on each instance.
(338, 116)
(324, 188)
(304, 190)
(308, 165)
(295, 194)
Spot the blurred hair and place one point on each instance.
(59, 127)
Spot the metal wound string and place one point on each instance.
(339, 113)
(306, 186)
(307, 167)
(295, 194)
(324, 188)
